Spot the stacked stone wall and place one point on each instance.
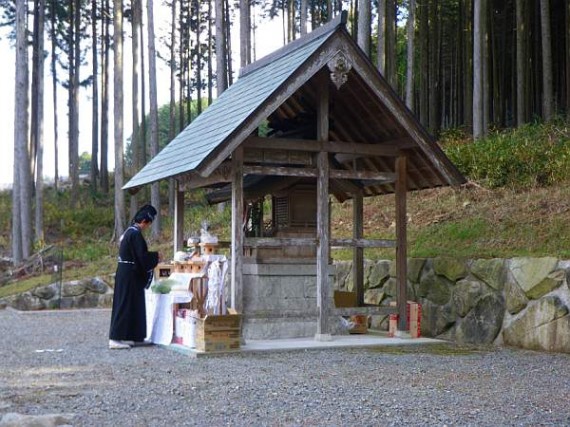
(521, 302)
(86, 293)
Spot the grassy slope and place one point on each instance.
(472, 222)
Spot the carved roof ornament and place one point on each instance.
(339, 66)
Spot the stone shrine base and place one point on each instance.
(280, 301)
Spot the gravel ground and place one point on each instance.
(431, 385)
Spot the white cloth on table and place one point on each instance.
(183, 280)
(159, 315)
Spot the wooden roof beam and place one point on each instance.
(384, 177)
(192, 180)
(389, 148)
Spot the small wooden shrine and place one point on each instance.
(312, 120)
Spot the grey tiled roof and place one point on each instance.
(212, 128)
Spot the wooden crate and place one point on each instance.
(218, 332)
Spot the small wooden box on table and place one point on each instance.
(163, 271)
(190, 266)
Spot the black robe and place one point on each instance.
(134, 272)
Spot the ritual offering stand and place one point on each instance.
(190, 309)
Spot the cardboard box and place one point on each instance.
(219, 332)
(360, 324)
(344, 299)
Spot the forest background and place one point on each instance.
(464, 67)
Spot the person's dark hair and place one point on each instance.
(146, 213)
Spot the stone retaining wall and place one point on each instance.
(521, 302)
(86, 293)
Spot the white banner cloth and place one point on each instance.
(160, 316)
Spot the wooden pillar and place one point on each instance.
(401, 242)
(237, 230)
(323, 214)
(323, 248)
(178, 219)
(358, 253)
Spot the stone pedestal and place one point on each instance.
(280, 300)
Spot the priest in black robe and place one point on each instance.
(134, 274)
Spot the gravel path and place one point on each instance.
(151, 386)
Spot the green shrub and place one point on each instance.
(532, 155)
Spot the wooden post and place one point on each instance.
(401, 245)
(237, 230)
(358, 252)
(323, 214)
(323, 250)
(178, 218)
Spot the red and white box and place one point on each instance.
(414, 314)
(392, 325)
(185, 328)
(414, 317)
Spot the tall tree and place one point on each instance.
(228, 40)
(485, 66)
(105, 94)
(172, 92)
(74, 53)
(424, 61)
(467, 49)
(210, 56)
(37, 122)
(172, 64)
(136, 140)
(199, 54)
(21, 211)
(434, 66)
(118, 116)
(94, 170)
(477, 70)
(153, 98)
(53, 35)
(304, 17)
(143, 127)
(364, 17)
(567, 10)
(245, 31)
(520, 60)
(221, 56)
(410, 55)
(390, 70)
(547, 91)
